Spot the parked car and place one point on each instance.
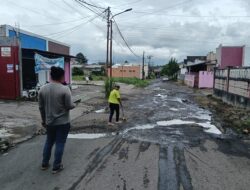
(164, 79)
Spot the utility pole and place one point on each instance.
(108, 29)
(143, 62)
(111, 50)
(20, 64)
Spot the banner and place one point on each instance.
(44, 63)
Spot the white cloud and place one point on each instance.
(162, 28)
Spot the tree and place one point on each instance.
(81, 59)
(171, 68)
(77, 71)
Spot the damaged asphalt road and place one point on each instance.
(168, 142)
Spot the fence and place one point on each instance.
(233, 86)
(191, 79)
(206, 79)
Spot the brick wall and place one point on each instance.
(126, 72)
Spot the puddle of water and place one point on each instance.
(4, 133)
(209, 128)
(173, 109)
(176, 100)
(139, 127)
(87, 136)
(18, 122)
(202, 115)
(100, 111)
(74, 87)
(161, 96)
(159, 89)
(174, 122)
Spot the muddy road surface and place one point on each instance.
(167, 143)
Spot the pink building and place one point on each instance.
(229, 56)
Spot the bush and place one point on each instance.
(77, 71)
(108, 85)
(97, 73)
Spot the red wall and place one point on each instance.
(231, 56)
(9, 75)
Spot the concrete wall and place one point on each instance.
(229, 56)
(246, 57)
(191, 79)
(206, 79)
(233, 86)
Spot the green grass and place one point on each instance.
(82, 78)
(98, 78)
(135, 81)
(78, 77)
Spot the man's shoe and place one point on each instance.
(45, 167)
(110, 124)
(118, 122)
(58, 169)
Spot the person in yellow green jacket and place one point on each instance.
(114, 104)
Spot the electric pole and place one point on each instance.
(111, 46)
(143, 62)
(108, 29)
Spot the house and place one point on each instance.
(229, 56)
(183, 71)
(18, 68)
(93, 69)
(200, 70)
(157, 71)
(129, 71)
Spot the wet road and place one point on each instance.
(168, 142)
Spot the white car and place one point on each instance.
(165, 79)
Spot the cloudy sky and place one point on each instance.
(161, 28)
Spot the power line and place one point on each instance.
(92, 5)
(83, 5)
(119, 31)
(73, 8)
(58, 23)
(72, 28)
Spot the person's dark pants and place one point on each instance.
(56, 134)
(114, 108)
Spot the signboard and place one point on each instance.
(5, 51)
(44, 63)
(10, 68)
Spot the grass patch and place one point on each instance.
(82, 78)
(134, 81)
(98, 78)
(78, 77)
